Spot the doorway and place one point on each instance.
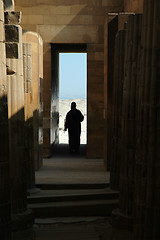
(72, 88)
(58, 53)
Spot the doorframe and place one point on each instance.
(57, 48)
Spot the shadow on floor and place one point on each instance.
(62, 150)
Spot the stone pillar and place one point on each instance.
(112, 161)
(129, 120)
(5, 215)
(147, 169)
(28, 109)
(111, 33)
(37, 100)
(117, 109)
(22, 219)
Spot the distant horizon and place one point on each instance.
(69, 98)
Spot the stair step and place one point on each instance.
(64, 220)
(72, 195)
(74, 208)
(44, 186)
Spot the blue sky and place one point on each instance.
(72, 75)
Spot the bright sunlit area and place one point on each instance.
(72, 87)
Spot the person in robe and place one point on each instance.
(73, 123)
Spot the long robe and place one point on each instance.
(73, 123)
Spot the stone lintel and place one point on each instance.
(12, 17)
(12, 50)
(12, 33)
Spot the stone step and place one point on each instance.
(44, 186)
(69, 220)
(44, 196)
(74, 208)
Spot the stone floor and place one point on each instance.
(66, 169)
(84, 229)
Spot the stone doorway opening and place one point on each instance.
(72, 88)
(56, 51)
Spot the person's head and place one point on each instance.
(73, 105)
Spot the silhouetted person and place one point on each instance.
(73, 123)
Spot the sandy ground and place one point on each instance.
(64, 107)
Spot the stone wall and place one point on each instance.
(73, 22)
(133, 6)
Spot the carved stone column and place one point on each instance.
(5, 215)
(147, 169)
(128, 122)
(29, 132)
(37, 86)
(22, 219)
(117, 108)
(112, 161)
(129, 118)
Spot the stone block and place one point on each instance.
(99, 20)
(95, 48)
(67, 2)
(12, 33)
(68, 19)
(59, 10)
(92, 3)
(2, 34)
(12, 50)
(9, 5)
(53, 2)
(1, 11)
(2, 52)
(29, 27)
(35, 19)
(12, 17)
(76, 34)
(133, 6)
(99, 56)
(79, 9)
(37, 10)
(97, 11)
(112, 3)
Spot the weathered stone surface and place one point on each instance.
(78, 34)
(2, 53)
(12, 17)
(2, 35)
(112, 2)
(12, 33)
(133, 6)
(36, 75)
(12, 50)
(1, 11)
(147, 165)
(9, 5)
